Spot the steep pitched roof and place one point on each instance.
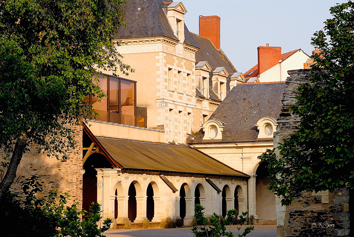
(145, 19)
(242, 108)
(208, 52)
(253, 72)
(288, 54)
(148, 19)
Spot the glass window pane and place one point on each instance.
(128, 103)
(114, 99)
(100, 106)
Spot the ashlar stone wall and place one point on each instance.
(311, 214)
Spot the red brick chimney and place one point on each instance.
(209, 27)
(268, 57)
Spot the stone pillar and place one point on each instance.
(229, 203)
(158, 212)
(178, 207)
(122, 209)
(111, 206)
(106, 178)
(203, 201)
(242, 205)
(219, 203)
(140, 209)
(252, 196)
(188, 220)
(100, 187)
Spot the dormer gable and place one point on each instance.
(220, 71)
(213, 129)
(177, 6)
(266, 127)
(175, 15)
(203, 65)
(236, 77)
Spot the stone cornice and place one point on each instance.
(165, 40)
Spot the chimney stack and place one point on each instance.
(268, 57)
(209, 27)
(316, 51)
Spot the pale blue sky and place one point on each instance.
(247, 24)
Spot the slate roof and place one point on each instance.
(208, 52)
(148, 19)
(161, 157)
(242, 108)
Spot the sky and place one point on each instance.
(247, 24)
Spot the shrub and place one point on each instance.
(48, 216)
(218, 224)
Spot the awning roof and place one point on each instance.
(160, 157)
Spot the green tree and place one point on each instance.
(320, 154)
(49, 52)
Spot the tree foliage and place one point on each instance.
(320, 154)
(49, 52)
(50, 216)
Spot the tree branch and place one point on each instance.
(14, 162)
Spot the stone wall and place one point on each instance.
(311, 214)
(66, 176)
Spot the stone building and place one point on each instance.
(310, 214)
(141, 180)
(127, 159)
(181, 77)
(238, 132)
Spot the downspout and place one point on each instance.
(248, 207)
(280, 69)
(103, 203)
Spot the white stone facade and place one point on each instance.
(113, 187)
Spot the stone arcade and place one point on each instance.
(139, 180)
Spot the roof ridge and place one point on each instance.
(266, 82)
(140, 141)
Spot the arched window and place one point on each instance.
(266, 127)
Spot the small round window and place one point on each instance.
(213, 131)
(268, 129)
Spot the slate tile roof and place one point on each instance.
(242, 108)
(147, 19)
(208, 52)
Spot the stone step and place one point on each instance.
(152, 225)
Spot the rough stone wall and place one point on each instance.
(66, 176)
(311, 214)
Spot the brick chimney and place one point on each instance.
(209, 27)
(268, 57)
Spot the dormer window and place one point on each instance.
(266, 127)
(219, 82)
(213, 129)
(179, 29)
(175, 15)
